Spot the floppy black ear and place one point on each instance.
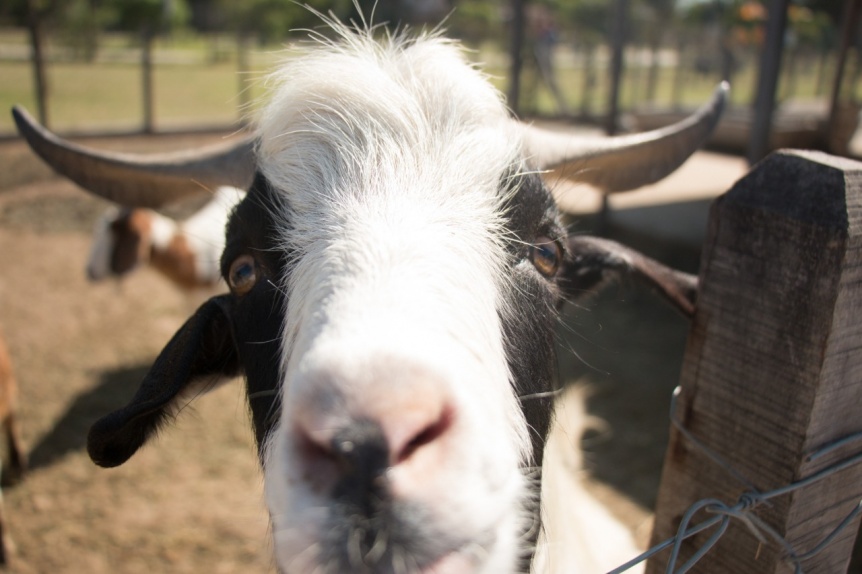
(593, 262)
(200, 351)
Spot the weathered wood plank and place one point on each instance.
(773, 365)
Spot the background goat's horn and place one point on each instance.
(142, 180)
(625, 162)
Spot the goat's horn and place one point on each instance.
(142, 180)
(625, 162)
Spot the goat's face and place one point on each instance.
(398, 249)
(394, 273)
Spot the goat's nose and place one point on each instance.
(361, 457)
(353, 445)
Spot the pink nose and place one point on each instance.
(355, 429)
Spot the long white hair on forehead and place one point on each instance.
(353, 105)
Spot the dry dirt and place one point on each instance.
(193, 501)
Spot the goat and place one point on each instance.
(186, 252)
(395, 271)
(17, 458)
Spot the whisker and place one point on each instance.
(542, 395)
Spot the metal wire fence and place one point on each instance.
(742, 510)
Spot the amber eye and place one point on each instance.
(546, 254)
(242, 275)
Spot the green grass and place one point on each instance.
(90, 97)
(15, 88)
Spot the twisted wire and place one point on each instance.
(742, 510)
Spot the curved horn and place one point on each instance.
(142, 180)
(626, 162)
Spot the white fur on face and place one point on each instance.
(390, 161)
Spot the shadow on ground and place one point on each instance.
(69, 434)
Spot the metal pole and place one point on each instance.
(851, 17)
(147, 78)
(767, 82)
(516, 56)
(618, 44)
(40, 77)
(618, 40)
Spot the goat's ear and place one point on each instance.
(593, 262)
(198, 356)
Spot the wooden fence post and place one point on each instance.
(773, 365)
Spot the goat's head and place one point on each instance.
(185, 246)
(395, 270)
(123, 239)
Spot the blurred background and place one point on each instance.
(160, 75)
(163, 65)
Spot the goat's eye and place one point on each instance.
(243, 274)
(546, 255)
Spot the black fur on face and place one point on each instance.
(256, 317)
(229, 335)
(529, 326)
(529, 330)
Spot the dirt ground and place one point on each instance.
(193, 501)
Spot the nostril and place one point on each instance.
(357, 451)
(317, 458)
(427, 435)
(311, 449)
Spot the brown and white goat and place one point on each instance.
(395, 271)
(187, 252)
